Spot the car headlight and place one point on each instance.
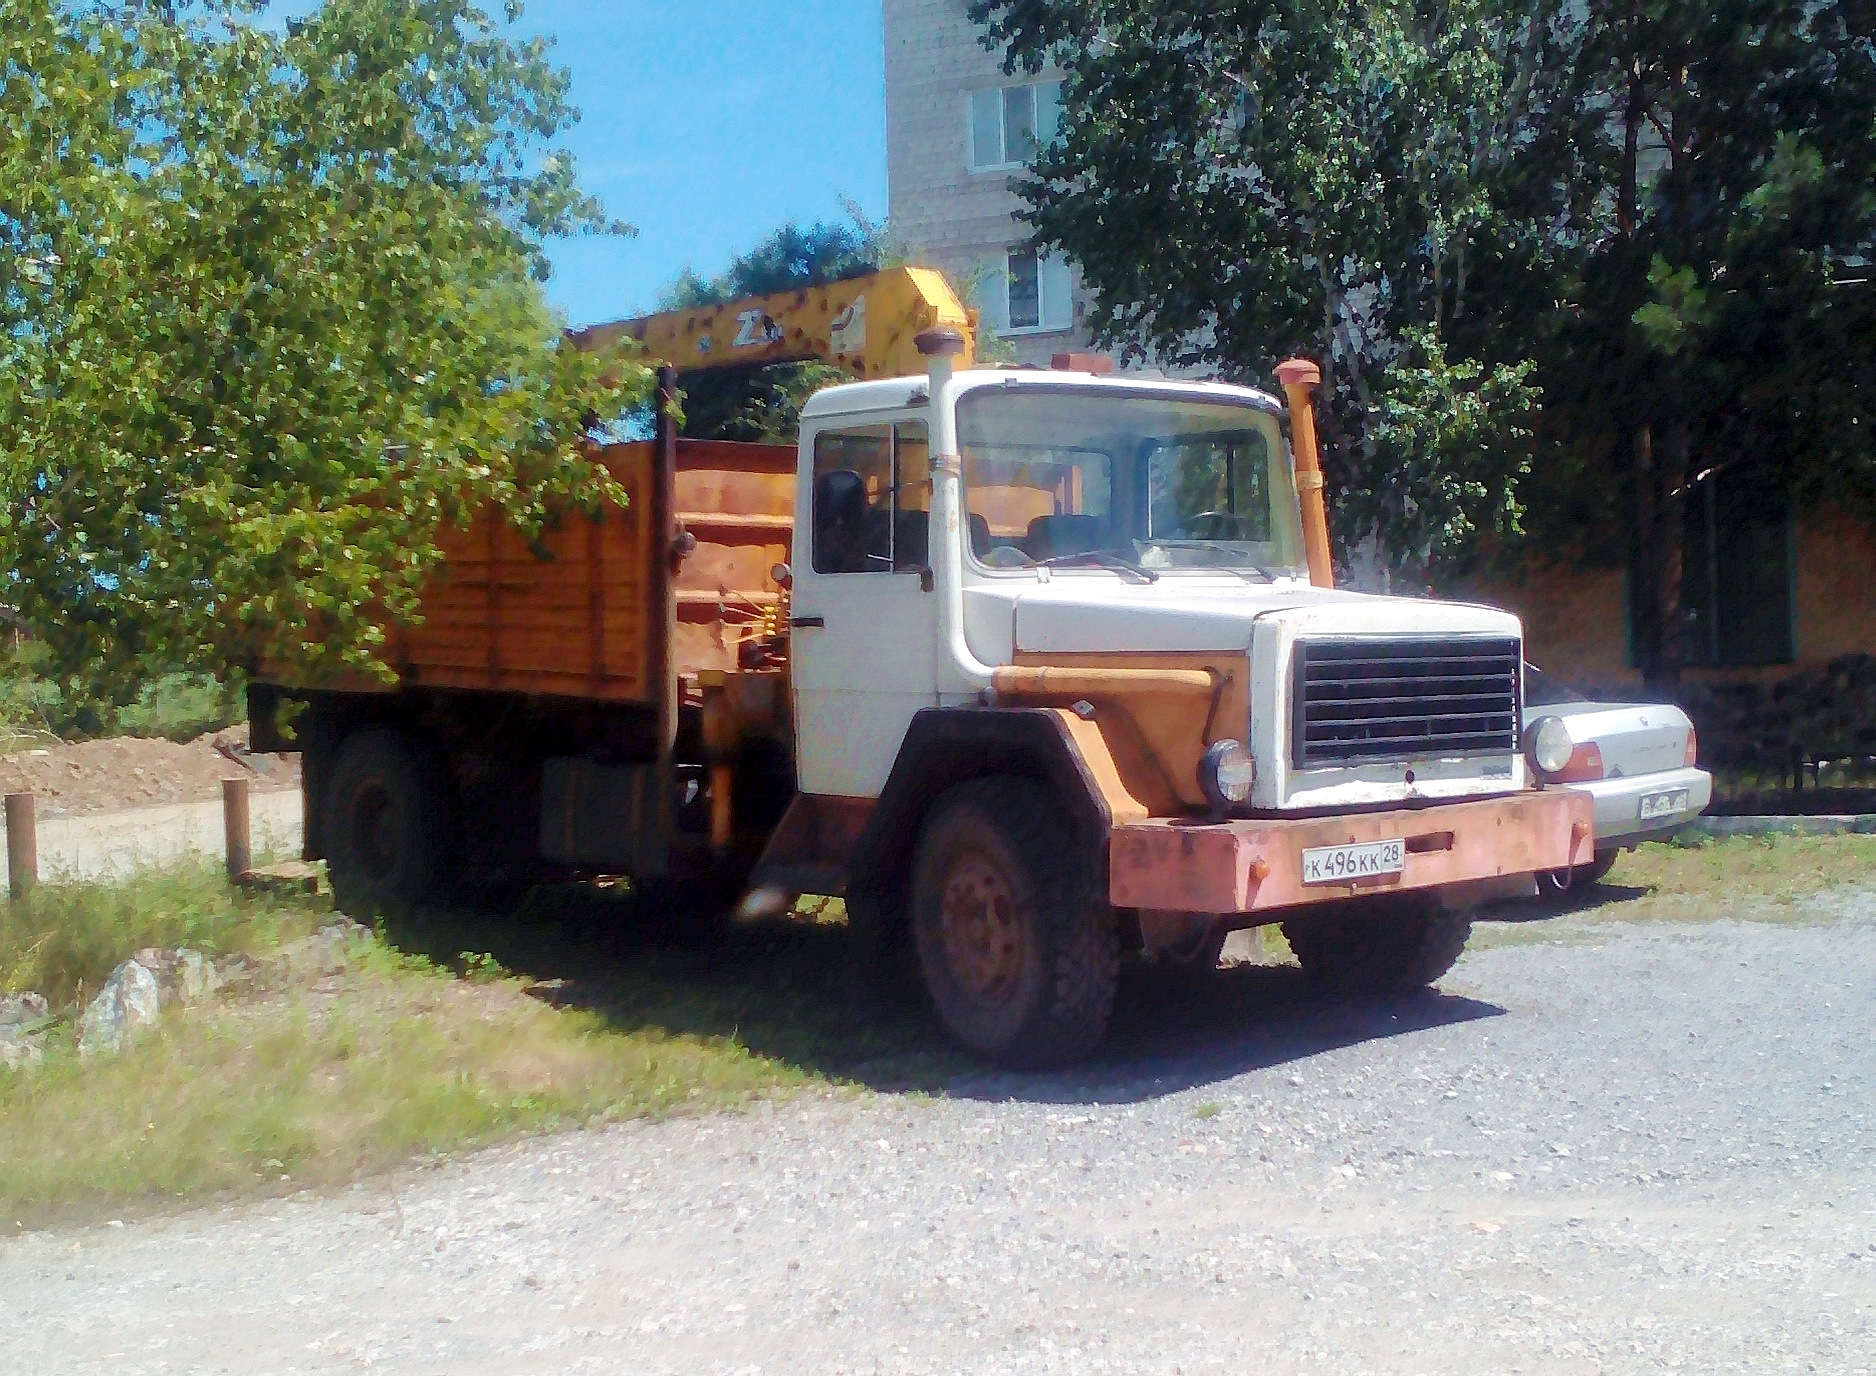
(1226, 775)
(1547, 745)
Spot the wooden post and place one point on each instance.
(22, 845)
(235, 828)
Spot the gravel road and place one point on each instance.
(1630, 1149)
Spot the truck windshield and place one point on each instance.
(1065, 475)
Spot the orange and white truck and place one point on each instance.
(1040, 670)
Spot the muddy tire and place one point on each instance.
(1020, 959)
(1391, 945)
(387, 826)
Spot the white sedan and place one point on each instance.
(1636, 759)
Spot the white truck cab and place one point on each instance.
(994, 565)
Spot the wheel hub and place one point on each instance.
(983, 938)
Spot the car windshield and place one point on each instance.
(1146, 481)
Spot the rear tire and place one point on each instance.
(1020, 959)
(1391, 945)
(387, 826)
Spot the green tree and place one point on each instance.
(762, 404)
(1244, 180)
(272, 319)
(1707, 174)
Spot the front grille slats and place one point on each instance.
(1386, 698)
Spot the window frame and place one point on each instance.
(1007, 163)
(1048, 266)
(893, 425)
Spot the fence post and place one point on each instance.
(22, 845)
(239, 843)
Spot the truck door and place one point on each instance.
(862, 643)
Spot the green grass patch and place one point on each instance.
(318, 1080)
(1737, 878)
(63, 940)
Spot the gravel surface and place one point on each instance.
(1636, 1150)
(116, 845)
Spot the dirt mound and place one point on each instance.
(105, 776)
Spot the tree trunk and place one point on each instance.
(1661, 529)
(1671, 469)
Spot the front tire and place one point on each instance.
(387, 824)
(1020, 959)
(1391, 945)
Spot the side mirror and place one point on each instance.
(782, 576)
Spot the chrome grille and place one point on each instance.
(1388, 698)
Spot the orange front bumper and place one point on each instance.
(1179, 865)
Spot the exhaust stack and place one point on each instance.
(1299, 377)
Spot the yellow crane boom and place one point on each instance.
(865, 325)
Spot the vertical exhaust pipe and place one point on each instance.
(941, 345)
(1300, 377)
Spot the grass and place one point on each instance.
(1738, 878)
(318, 1081)
(64, 940)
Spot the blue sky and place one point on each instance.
(707, 123)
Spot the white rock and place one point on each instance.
(182, 975)
(130, 1000)
(23, 1010)
(20, 1049)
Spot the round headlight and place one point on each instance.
(1547, 745)
(1226, 774)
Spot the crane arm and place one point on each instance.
(865, 325)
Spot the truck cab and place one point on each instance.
(1058, 661)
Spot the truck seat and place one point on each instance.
(1052, 536)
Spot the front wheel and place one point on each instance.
(1021, 962)
(1391, 945)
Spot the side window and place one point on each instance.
(871, 499)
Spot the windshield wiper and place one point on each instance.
(1238, 566)
(1106, 558)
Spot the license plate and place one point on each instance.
(1663, 804)
(1341, 864)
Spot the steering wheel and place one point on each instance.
(1217, 525)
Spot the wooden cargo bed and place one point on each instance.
(593, 609)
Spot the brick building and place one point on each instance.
(957, 130)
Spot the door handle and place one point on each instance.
(808, 623)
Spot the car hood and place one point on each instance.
(1084, 614)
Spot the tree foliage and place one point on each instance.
(271, 319)
(1654, 215)
(1243, 180)
(1706, 173)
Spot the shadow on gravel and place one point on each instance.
(780, 991)
(1580, 898)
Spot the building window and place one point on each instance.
(1737, 574)
(1737, 571)
(1029, 292)
(1010, 124)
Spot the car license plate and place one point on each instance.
(1341, 864)
(1663, 804)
